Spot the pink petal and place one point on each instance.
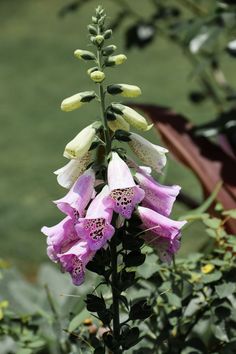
(159, 224)
(165, 247)
(118, 174)
(79, 195)
(124, 200)
(95, 231)
(74, 261)
(157, 197)
(60, 237)
(95, 228)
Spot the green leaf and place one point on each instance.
(77, 320)
(225, 290)
(231, 213)
(220, 332)
(210, 278)
(173, 299)
(212, 223)
(25, 351)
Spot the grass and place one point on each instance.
(38, 70)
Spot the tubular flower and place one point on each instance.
(75, 260)
(60, 237)
(68, 174)
(151, 154)
(124, 90)
(132, 117)
(165, 247)
(118, 123)
(159, 224)
(158, 197)
(95, 228)
(76, 200)
(80, 145)
(76, 101)
(124, 193)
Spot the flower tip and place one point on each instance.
(149, 127)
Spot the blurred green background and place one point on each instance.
(37, 71)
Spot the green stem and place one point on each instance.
(113, 248)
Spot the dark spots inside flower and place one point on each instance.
(95, 228)
(122, 197)
(76, 215)
(77, 267)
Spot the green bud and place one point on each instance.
(89, 71)
(108, 50)
(99, 39)
(84, 54)
(116, 60)
(92, 30)
(94, 20)
(97, 76)
(107, 34)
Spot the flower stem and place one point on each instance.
(102, 104)
(114, 279)
(113, 248)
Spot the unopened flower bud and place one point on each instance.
(124, 90)
(94, 20)
(80, 145)
(107, 34)
(132, 117)
(99, 39)
(92, 30)
(116, 60)
(76, 101)
(118, 123)
(97, 76)
(90, 70)
(84, 54)
(108, 50)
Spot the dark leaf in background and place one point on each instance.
(95, 303)
(139, 35)
(205, 158)
(134, 259)
(99, 350)
(109, 340)
(126, 279)
(129, 337)
(140, 310)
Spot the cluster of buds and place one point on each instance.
(105, 193)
